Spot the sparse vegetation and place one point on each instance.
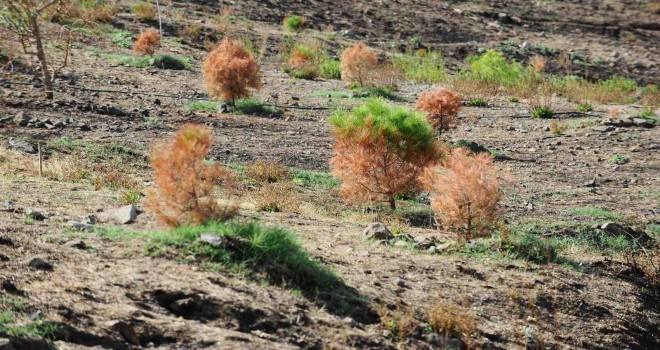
(620, 159)
(144, 11)
(441, 107)
(264, 171)
(230, 70)
(240, 106)
(184, 192)
(585, 107)
(147, 42)
(477, 102)
(394, 143)
(294, 23)
(278, 197)
(421, 66)
(558, 128)
(357, 63)
(452, 321)
(543, 112)
(465, 191)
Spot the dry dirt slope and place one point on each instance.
(110, 292)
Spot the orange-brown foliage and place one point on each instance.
(184, 184)
(357, 63)
(465, 192)
(371, 170)
(299, 58)
(147, 42)
(230, 70)
(538, 63)
(441, 107)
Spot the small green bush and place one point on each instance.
(543, 112)
(493, 67)
(619, 84)
(427, 67)
(477, 102)
(585, 107)
(330, 69)
(532, 248)
(241, 106)
(162, 61)
(294, 23)
(620, 159)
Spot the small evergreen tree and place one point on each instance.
(441, 107)
(230, 70)
(380, 151)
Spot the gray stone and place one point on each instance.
(89, 220)
(34, 215)
(400, 282)
(212, 239)
(433, 338)
(645, 123)
(21, 119)
(79, 226)
(454, 344)
(432, 249)
(445, 246)
(121, 216)
(378, 231)
(424, 242)
(591, 183)
(5, 344)
(40, 264)
(400, 244)
(21, 146)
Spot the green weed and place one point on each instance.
(597, 213)
(428, 67)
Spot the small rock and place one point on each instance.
(432, 249)
(212, 239)
(591, 183)
(445, 246)
(604, 128)
(76, 225)
(40, 264)
(127, 331)
(400, 282)
(644, 123)
(378, 231)
(400, 244)
(349, 321)
(121, 216)
(455, 344)
(21, 119)
(508, 128)
(22, 146)
(34, 215)
(81, 245)
(433, 339)
(5, 344)
(3, 258)
(9, 206)
(223, 108)
(89, 220)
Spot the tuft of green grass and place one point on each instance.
(543, 112)
(493, 67)
(122, 38)
(294, 23)
(597, 213)
(272, 250)
(585, 107)
(314, 179)
(130, 196)
(421, 66)
(477, 102)
(242, 106)
(514, 100)
(531, 248)
(620, 159)
(330, 69)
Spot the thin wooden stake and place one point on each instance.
(41, 158)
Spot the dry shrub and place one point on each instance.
(147, 42)
(230, 70)
(185, 183)
(614, 112)
(465, 192)
(357, 63)
(145, 11)
(278, 197)
(386, 75)
(264, 171)
(192, 31)
(380, 150)
(647, 261)
(300, 57)
(441, 107)
(471, 87)
(543, 97)
(558, 128)
(452, 321)
(538, 63)
(401, 322)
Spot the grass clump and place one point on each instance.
(330, 69)
(597, 213)
(542, 112)
(477, 102)
(122, 38)
(272, 250)
(531, 247)
(16, 322)
(144, 11)
(585, 107)
(294, 23)
(315, 179)
(493, 67)
(451, 321)
(620, 159)
(162, 61)
(241, 106)
(264, 171)
(421, 66)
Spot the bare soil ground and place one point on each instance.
(110, 293)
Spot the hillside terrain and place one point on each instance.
(84, 263)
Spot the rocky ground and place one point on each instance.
(98, 290)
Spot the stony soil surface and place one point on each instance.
(106, 293)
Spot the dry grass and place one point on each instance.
(558, 128)
(401, 322)
(145, 11)
(230, 71)
(278, 197)
(264, 171)
(452, 321)
(147, 42)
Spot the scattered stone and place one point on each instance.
(34, 215)
(378, 231)
(223, 108)
(122, 216)
(445, 246)
(127, 331)
(508, 128)
(40, 264)
(615, 229)
(31, 343)
(454, 344)
(644, 123)
(9, 206)
(433, 339)
(89, 220)
(424, 242)
(591, 183)
(79, 226)
(21, 119)
(22, 146)
(432, 249)
(400, 244)
(212, 239)
(349, 321)
(400, 282)
(6, 241)
(604, 128)
(3, 258)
